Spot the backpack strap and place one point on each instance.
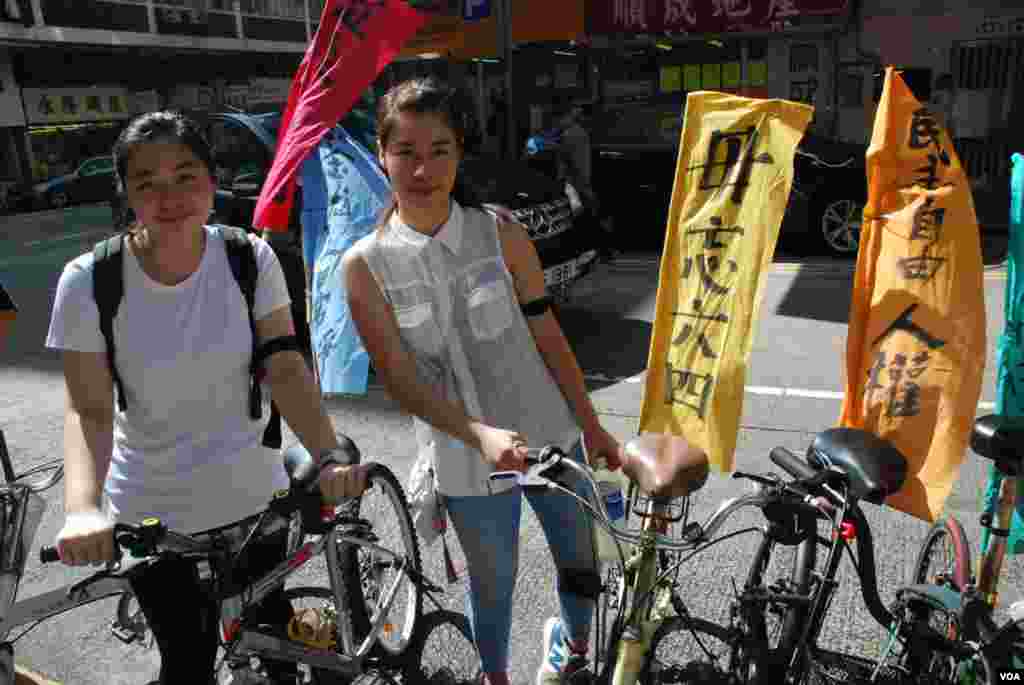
(242, 258)
(107, 290)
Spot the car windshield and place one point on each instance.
(271, 123)
(360, 122)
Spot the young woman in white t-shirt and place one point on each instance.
(184, 448)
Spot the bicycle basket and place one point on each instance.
(20, 513)
(673, 510)
(835, 668)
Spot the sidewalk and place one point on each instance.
(29, 226)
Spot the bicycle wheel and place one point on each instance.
(945, 557)
(384, 506)
(685, 649)
(773, 628)
(443, 652)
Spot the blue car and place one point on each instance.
(92, 181)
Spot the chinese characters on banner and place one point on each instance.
(915, 350)
(355, 40)
(1010, 366)
(733, 177)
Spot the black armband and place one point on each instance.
(536, 307)
(286, 343)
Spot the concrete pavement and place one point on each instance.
(794, 374)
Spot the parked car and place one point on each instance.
(243, 151)
(92, 181)
(15, 196)
(825, 206)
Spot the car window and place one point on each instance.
(241, 159)
(96, 166)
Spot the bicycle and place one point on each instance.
(642, 591)
(358, 630)
(967, 645)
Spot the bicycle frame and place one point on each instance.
(639, 624)
(267, 646)
(993, 547)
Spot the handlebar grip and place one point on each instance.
(48, 555)
(792, 464)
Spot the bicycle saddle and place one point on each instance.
(874, 467)
(1001, 439)
(665, 466)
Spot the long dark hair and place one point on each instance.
(430, 96)
(163, 126)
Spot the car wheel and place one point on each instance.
(57, 199)
(840, 223)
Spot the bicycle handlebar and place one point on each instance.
(792, 464)
(152, 537)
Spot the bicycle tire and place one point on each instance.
(359, 568)
(768, 663)
(659, 667)
(452, 660)
(946, 530)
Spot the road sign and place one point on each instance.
(475, 10)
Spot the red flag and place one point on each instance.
(355, 40)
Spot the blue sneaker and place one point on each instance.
(561, 663)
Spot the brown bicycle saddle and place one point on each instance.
(665, 466)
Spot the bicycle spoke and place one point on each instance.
(383, 582)
(689, 650)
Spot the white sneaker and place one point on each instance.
(560, 663)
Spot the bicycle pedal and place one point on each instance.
(124, 633)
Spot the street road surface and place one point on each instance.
(794, 389)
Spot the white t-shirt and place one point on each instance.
(185, 448)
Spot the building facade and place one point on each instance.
(73, 73)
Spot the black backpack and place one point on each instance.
(108, 289)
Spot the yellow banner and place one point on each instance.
(915, 351)
(733, 177)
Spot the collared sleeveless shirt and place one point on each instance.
(459, 316)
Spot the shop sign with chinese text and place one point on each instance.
(704, 16)
(75, 105)
(732, 184)
(915, 349)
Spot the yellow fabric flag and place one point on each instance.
(915, 351)
(733, 177)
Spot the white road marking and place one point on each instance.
(62, 238)
(764, 390)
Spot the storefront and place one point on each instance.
(650, 55)
(976, 51)
(69, 125)
(12, 127)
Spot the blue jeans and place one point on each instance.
(488, 531)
